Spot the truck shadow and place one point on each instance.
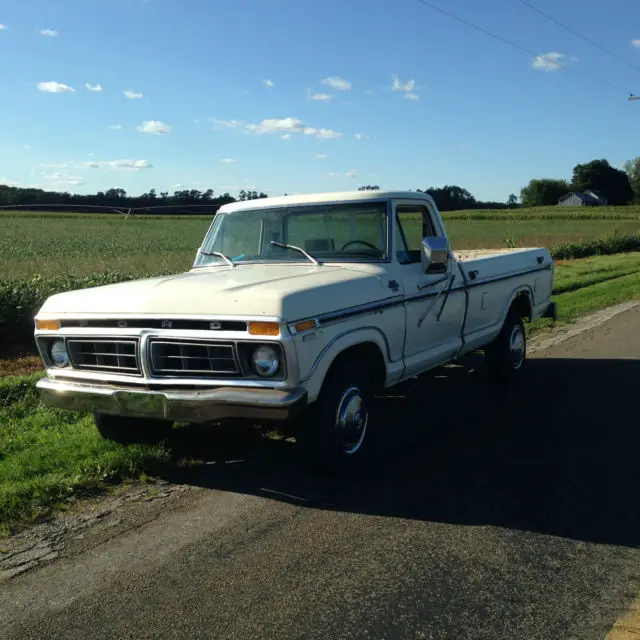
(557, 453)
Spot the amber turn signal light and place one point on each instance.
(48, 325)
(306, 325)
(264, 328)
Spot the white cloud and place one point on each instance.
(398, 85)
(358, 136)
(26, 146)
(3, 27)
(93, 87)
(320, 97)
(273, 125)
(321, 156)
(54, 166)
(133, 95)
(551, 61)
(285, 136)
(337, 83)
(49, 33)
(63, 178)
(227, 160)
(115, 127)
(352, 173)
(636, 43)
(269, 83)
(369, 93)
(115, 164)
(284, 126)
(412, 96)
(154, 127)
(323, 134)
(55, 87)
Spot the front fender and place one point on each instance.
(313, 379)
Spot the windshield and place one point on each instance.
(328, 233)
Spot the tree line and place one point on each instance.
(616, 186)
(118, 198)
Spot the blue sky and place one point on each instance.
(360, 91)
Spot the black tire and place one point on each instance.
(125, 430)
(505, 357)
(328, 438)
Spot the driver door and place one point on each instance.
(434, 308)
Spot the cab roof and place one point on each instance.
(322, 198)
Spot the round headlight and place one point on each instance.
(265, 361)
(58, 353)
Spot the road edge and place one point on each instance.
(558, 335)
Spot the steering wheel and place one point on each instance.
(364, 242)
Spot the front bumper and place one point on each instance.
(177, 405)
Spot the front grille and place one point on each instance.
(110, 354)
(192, 358)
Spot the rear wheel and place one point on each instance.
(333, 433)
(126, 430)
(505, 356)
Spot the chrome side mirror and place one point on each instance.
(435, 254)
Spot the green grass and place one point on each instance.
(56, 244)
(48, 456)
(87, 244)
(588, 285)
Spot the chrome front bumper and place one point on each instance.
(177, 405)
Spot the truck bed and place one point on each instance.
(475, 254)
(488, 264)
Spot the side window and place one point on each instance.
(413, 223)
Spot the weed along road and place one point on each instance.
(489, 512)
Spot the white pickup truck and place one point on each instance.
(297, 309)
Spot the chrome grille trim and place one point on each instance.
(113, 355)
(192, 358)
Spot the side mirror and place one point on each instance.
(435, 254)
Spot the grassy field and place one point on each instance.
(80, 245)
(48, 457)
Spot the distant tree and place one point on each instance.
(451, 198)
(369, 187)
(251, 195)
(543, 192)
(512, 201)
(608, 182)
(632, 167)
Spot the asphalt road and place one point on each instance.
(489, 512)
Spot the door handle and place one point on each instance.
(393, 285)
(473, 274)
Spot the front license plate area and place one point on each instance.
(141, 404)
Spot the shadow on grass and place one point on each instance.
(557, 453)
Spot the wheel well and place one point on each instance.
(368, 354)
(522, 305)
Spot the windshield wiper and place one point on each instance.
(217, 254)
(294, 248)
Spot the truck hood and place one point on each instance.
(288, 292)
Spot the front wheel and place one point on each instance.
(506, 355)
(126, 430)
(333, 433)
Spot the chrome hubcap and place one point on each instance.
(517, 347)
(351, 420)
